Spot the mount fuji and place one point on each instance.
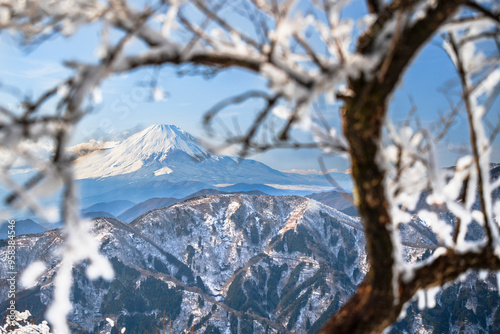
(144, 154)
(164, 160)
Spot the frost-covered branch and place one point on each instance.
(306, 52)
(478, 140)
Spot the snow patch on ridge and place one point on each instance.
(163, 171)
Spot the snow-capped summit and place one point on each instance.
(163, 160)
(147, 150)
(162, 139)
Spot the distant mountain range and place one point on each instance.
(342, 201)
(164, 161)
(215, 263)
(114, 207)
(198, 245)
(239, 264)
(158, 203)
(23, 226)
(127, 211)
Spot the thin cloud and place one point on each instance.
(34, 69)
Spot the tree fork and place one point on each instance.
(373, 306)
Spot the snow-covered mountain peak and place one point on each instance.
(165, 153)
(161, 138)
(161, 131)
(147, 150)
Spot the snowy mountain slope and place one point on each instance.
(165, 154)
(145, 150)
(341, 201)
(157, 203)
(227, 260)
(236, 264)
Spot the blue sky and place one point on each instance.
(127, 101)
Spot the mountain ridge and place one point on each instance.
(237, 264)
(198, 253)
(165, 152)
(164, 161)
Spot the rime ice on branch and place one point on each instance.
(312, 57)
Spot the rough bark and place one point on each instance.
(373, 306)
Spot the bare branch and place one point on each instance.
(483, 10)
(474, 141)
(210, 114)
(374, 6)
(271, 102)
(446, 268)
(212, 15)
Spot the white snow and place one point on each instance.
(304, 187)
(163, 171)
(131, 154)
(31, 274)
(22, 324)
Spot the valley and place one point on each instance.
(192, 256)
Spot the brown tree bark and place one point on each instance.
(373, 306)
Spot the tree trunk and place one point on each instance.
(373, 306)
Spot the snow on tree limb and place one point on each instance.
(307, 52)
